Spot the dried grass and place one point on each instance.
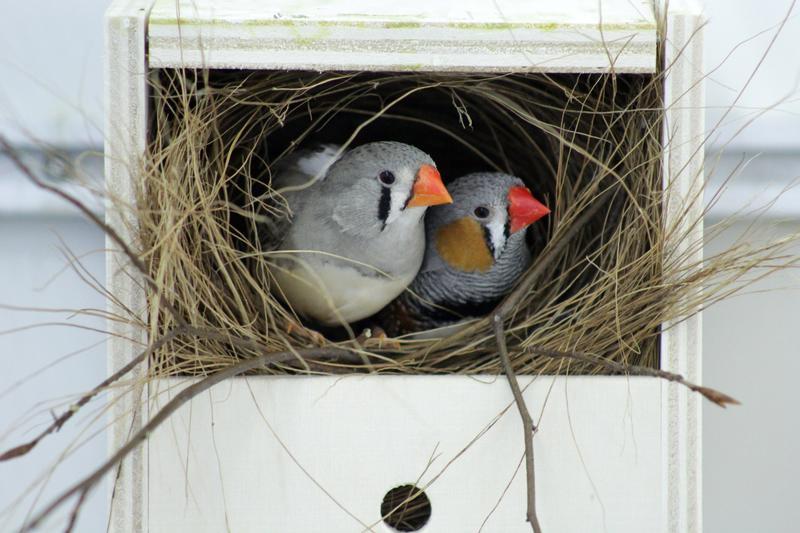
(580, 142)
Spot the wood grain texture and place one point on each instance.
(217, 466)
(503, 36)
(125, 93)
(681, 343)
(512, 12)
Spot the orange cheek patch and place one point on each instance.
(462, 246)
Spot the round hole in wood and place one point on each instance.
(406, 508)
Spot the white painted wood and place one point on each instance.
(681, 343)
(217, 466)
(639, 439)
(567, 12)
(125, 86)
(471, 35)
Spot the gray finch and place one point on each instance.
(354, 236)
(476, 251)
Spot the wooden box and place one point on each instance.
(308, 454)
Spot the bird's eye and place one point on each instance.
(481, 212)
(386, 177)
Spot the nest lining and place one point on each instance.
(580, 142)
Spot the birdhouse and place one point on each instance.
(299, 452)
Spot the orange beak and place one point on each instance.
(523, 208)
(428, 189)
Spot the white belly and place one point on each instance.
(334, 294)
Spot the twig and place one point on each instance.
(111, 232)
(505, 309)
(182, 328)
(26, 170)
(59, 421)
(528, 426)
(712, 395)
(86, 484)
(207, 333)
(73, 516)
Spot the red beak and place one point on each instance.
(523, 208)
(428, 188)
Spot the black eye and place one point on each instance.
(386, 177)
(481, 211)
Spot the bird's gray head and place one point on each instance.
(488, 213)
(384, 183)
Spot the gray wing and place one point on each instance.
(303, 168)
(293, 176)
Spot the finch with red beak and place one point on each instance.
(476, 251)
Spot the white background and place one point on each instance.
(51, 91)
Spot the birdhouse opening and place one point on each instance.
(587, 146)
(406, 508)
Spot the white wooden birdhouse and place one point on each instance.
(296, 453)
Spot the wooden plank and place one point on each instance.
(570, 36)
(217, 466)
(567, 12)
(681, 342)
(125, 127)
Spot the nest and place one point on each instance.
(606, 277)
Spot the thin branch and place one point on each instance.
(505, 309)
(712, 395)
(26, 170)
(59, 421)
(528, 426)
(86, 484)
(206, 333)
(111, 232)
(73, 516)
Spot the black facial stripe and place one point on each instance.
(487, 236)
(507, 228)
(384, 205)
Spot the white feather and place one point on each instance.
(497, 231)
(334, 293)
(315, 163)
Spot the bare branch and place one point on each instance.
(505, 309)
(26, 170)
(527, 422)
(59, 421)
(207, 333)
(712, 395)
(111, 232)
(73, 516)
(86, 484)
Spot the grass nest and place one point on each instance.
(607, 278)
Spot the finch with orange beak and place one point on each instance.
(355, 234)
